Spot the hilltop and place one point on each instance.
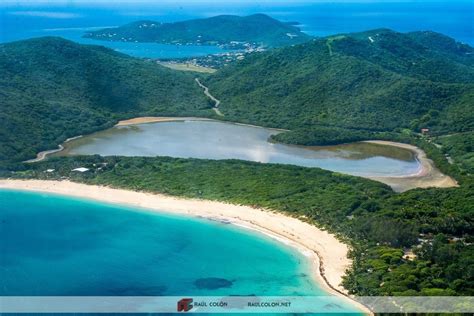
(53, 89)
(228, 30)
(330, 90)
(376, 81)
(335, 89)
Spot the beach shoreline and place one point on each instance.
(326, 254)
(427, 176)
(42, 155)
(160, 119)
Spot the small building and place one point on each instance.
(425, 131)
(81, 169)
(408, 254)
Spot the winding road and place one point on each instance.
(210, 96)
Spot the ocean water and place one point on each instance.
(55, 245)
(219, 140)
(70, 19)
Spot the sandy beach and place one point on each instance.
(427, 177)
(326, 253)
(157, 119)
(42, 155)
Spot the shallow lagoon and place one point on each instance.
(218, 140)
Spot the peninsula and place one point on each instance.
(228, 31)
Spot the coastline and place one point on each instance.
(42, 155)
(158, 119)
(327, 255)
(428, 176)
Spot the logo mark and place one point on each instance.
(185, 304)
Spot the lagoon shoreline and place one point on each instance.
(160, 119)
(327, 255)
(428, 175)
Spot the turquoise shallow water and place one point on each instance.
(54, 245)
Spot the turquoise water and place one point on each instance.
(54, 245)
(141, 50)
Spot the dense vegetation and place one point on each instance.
(460, 149)
(435, 224)
(52, 89)
(257, 29)
(338, 89)
(374, 81)
(326, 135)
(379, 84)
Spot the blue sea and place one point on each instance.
(56, 245)
(70, 19)
(53, 245)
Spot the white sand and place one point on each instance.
(428, 176)
(157, 119)
(326, 253)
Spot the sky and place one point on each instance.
(102, 3)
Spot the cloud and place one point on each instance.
(47, 14)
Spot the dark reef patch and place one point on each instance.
(212, 283)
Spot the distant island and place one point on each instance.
(415, 88)
(228, 31)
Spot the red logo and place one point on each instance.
(185, 304)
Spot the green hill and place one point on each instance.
(52, 89)
(421, 55)
(335, 89)
(331, 90)
(373, 81)
(257, 29)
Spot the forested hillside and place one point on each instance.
(422, 55)
(374, 81)
(52, 89)
(459, 148)
(338, 89)
(257, 29)
(350, 87)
